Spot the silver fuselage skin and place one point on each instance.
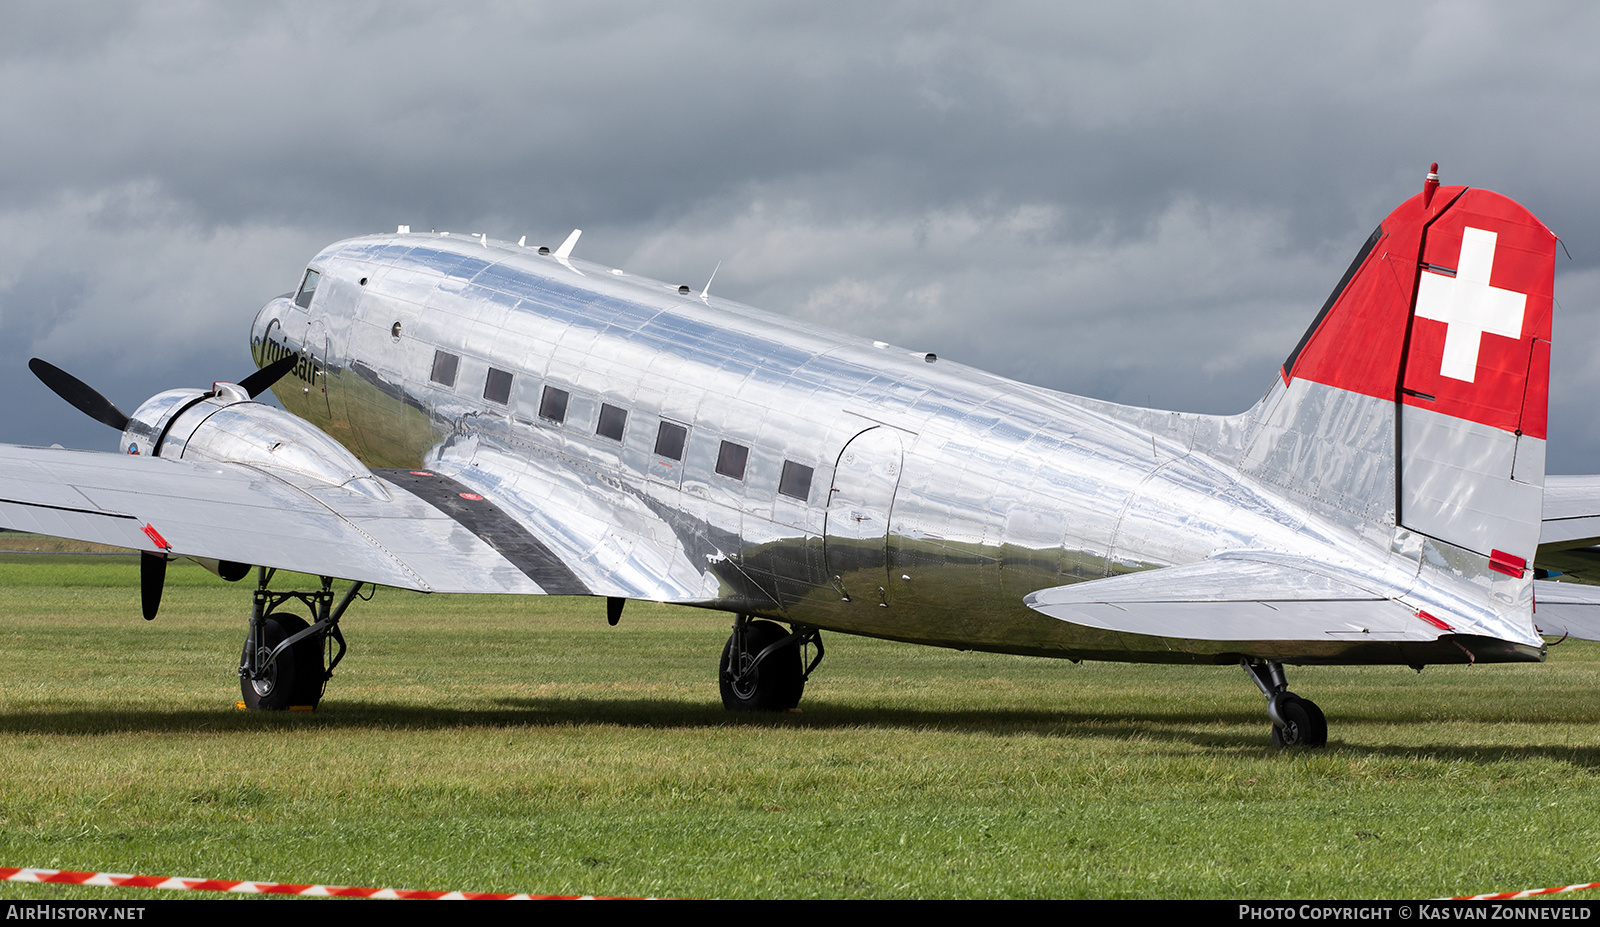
(939, 496)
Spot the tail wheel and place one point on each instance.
(295, 679)
(775, 683)
(1319, 725)
(1296, 721)
(1304, 724)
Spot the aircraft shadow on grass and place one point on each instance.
(1186, 729)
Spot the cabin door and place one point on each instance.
(316, 351)
(856, 537)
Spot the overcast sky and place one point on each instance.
(1141, 202)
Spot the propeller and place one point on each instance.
(87, 400)
(152, 577)
(84, 398)
(257, 383)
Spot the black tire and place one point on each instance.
(1304, 724)
(1317, 733)
(295, 678)
(775, 685)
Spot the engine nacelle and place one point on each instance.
(224, 425)
(149, 422)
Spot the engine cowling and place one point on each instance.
(224, 425)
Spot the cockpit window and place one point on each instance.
(308, 288)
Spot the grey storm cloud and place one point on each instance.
(1141, 202)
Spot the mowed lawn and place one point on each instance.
(498, 744)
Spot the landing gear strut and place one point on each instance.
(762, 668)
(283, 666)
(1296, 721)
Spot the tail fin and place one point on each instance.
(1417, 398)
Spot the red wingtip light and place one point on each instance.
(1430, 185)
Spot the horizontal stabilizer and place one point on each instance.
(1570, 531)
(1571, 512)
(1240, 600)
(1567, 609)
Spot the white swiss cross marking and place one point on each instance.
(1468, 306)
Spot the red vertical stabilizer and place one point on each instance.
(1446, 313)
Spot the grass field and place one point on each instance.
(496, 744)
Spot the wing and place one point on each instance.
(604, 537)
(1571, 529)
(420, 529)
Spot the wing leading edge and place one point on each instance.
(433, 533)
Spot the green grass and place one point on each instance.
(499, 744)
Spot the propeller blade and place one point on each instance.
(257, 383)
(82, 396)
(152, 576)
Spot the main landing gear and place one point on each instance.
(1296, 721)
(286, 661)
(762, 667)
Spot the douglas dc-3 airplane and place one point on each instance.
(470, 415)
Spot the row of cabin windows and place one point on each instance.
(671, 438)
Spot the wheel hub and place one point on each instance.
(266, 680)
(745, 680)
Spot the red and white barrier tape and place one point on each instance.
(178, 883)
(120, 880)
(1528, 893)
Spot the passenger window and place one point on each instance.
(795, 481)
(498, 387)
(553, 405)
(731, 459)
(445, 365)
(670, 440)
(308, 287)
(613, 421)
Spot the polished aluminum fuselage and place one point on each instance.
(941, 495)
